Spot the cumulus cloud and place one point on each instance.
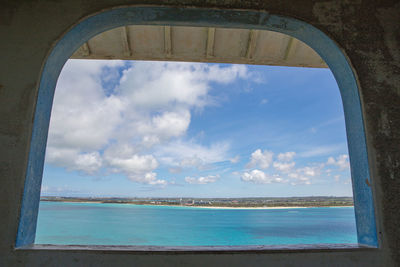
(202, 180)
(283, 166)
(166, 84)
(284, 169)
(82, 117)
(119, 117)
(305, 175)
(261, 159)
(162, 127)
(132, 118)
(342, 162)
(147, 178)
(72, 159)
(123, 158)
(260, 177)
(288, 156)
(135, 164)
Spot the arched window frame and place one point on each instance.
(93, 25)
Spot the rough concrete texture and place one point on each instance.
(200, 44)
(367, 31)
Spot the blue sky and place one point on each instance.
(165, 129)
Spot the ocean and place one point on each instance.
(64, 223)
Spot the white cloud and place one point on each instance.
(103, 119)
(82, 117)
(147, 178)
(260, 177)
(136, 164)
(305, 175)
(283, 166)
(288, 156)
(226, 75)
(161, 127)
(202, 180)
(74, 160)
(321, 151)
(175, 170)
(285, 170)
(310, 171)
(179, 121)
(342, 162)
(162, 85)
(262, 159)
(235, 159)
(138, 168)
(285, 163)
(89, 162)
(186, 154)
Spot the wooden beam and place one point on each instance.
(125, 42)
(210, 42)
(167, 41)
(252, 44)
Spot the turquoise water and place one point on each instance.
(124, 224)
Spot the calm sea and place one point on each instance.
(125, 224)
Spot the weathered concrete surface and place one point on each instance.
(369, 35)
(200, 44)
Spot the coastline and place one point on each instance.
(204, 207)
(263, 208)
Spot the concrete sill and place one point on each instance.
(267, 249)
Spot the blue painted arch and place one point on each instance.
(93, 25)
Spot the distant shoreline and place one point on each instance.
(252, 208)
(217, 203)
(201, 207)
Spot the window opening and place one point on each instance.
(364, 210)
(259, 148)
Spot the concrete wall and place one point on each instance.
(367, 31)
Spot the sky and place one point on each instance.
(175, 129)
